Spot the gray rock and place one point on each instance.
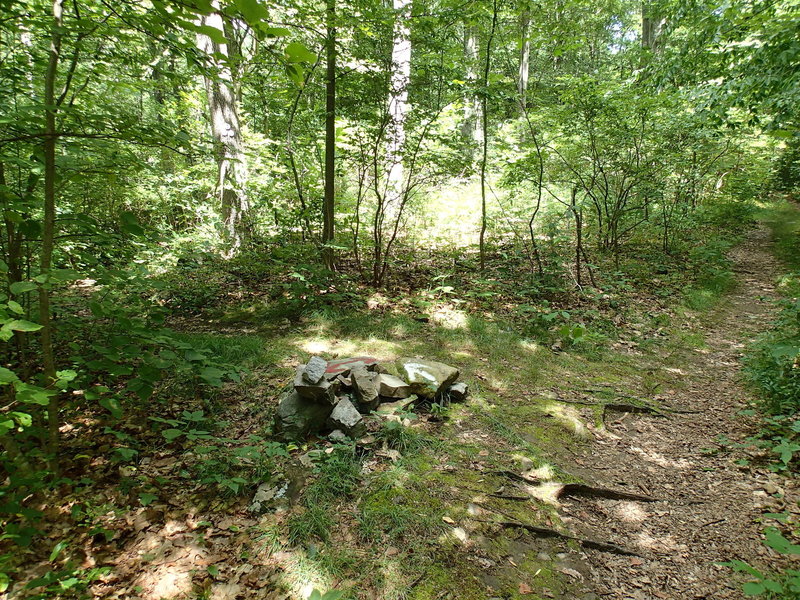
(366, 389)
(315, 369)
(337, 435)
(346, 418)
(323, 391)
(458, 392)
(390, 408)
(427, 378)
(390, 386)
(298, 416)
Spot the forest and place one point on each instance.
(400, 299)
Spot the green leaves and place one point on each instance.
(171, 434)
(298, 53)
(21, 287)
(253, 12)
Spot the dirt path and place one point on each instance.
(710, 504)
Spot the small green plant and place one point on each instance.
(398, 436)
(781, 585)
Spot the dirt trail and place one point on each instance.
(710, 504)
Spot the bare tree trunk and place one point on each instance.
(225, 129)
(485, 118)
(524, 57)
(398, 107)
(470, 126)
(329, 200)
(49, 226)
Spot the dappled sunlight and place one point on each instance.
(165, 561)
(569, 416)
(661, 460)
(300, 575)
(547, 491)
(630, 512)
(449, 317)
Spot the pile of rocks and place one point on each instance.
(333, 395)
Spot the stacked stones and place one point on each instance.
(333, 395)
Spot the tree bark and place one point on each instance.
(485, 119)
(524, 56)
(231, 181)
(398, 106)
(329, 200)
(49, 226)
(470, 126)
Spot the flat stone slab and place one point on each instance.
(315, 369)
(427, 378)
(396, 406)
(390, 386)
(343, 366)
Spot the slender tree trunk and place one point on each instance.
(49, 226)
(329, 200)
(225, 129)
(524, 57)
(485, 119)
(398, 107)
(470, 126)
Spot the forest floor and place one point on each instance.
(710, 499)
(616, 472)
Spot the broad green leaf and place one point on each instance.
(22, 325)
(57, 550)
(252, 11)
(753, 588)
(16, 307)
(147, 498)
(297, 52)
(112, 405)
(214, 34)
(7, 376)
(20, 287)
(172, 434)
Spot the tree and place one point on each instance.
(329, 201)
(231, 183)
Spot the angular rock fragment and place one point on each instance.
(347, 419)
(396, 406)
(315, 369)
(298, 416)
(365, 389)
(390, 386)
(458, 392)
(427, 378)
(337, 435)
(323, 391)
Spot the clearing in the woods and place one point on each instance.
(612, 473)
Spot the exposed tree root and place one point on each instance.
(545, 532)
(580, 489)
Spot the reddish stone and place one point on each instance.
(343, 365)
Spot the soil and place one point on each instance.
(710, 505)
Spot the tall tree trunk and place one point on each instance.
(229, 149)
(652, 25)
(49, 226)
(398, 107)
(470, 126)
(524, 56)
(329, 200)
(485, 119)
